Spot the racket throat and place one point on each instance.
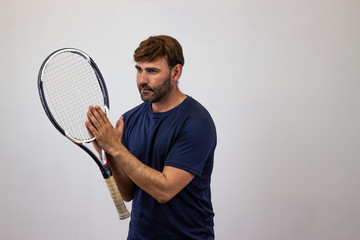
(105, 171)
(103, 158)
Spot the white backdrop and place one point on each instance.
(280, 78)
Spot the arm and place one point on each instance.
(161, 185)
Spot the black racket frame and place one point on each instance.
(104, 168)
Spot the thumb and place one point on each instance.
(120, 123)
(91, 135)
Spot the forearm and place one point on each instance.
(124, 183)
(155, 183)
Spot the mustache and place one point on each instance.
(145, 87)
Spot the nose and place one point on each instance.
(142, 78)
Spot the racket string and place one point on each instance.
(71, 86)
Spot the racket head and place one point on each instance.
(69, 82)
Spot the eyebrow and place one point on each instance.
(148, 68)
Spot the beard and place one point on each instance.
(156, 94)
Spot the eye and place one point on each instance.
(152, 70)
(139, 70)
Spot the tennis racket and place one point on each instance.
(69, 82)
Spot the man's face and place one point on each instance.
(154, 80)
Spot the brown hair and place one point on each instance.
(160, 46)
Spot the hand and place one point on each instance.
(107, 137)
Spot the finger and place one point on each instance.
(91, 135)
(101, 114)
(91, 129)
(96, 113)
(120, 123)
(120, 126)
(93, 118)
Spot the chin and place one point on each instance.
(146, 99)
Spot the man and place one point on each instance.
(161, 152)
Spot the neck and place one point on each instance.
(171, 101)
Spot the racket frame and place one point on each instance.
(102, 161)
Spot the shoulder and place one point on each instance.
(197, 120)
(196, 112)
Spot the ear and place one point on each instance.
(176, 72)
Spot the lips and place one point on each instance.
(145, 89)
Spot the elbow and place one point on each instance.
(127, 199)
(163, 198)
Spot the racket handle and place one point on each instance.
(116, 196)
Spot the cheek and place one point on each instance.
(139, 79)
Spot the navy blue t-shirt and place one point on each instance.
(183, 137)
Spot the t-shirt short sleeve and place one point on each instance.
(195, 143)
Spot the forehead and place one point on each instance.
(157, 63)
